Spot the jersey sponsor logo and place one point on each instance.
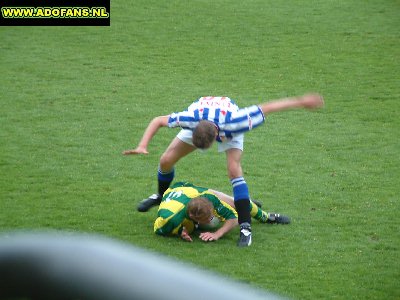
(211, 101)
(223, 112)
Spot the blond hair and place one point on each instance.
(200, 209)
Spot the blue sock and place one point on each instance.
(240, 189)
(242, 199)
(164, 180)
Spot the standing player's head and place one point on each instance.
(200, 210)
(204, 134)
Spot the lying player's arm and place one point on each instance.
(185, 235)
(151, 130)
(213, 236)
(224, 197)
(166, 227)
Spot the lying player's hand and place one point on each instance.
(208, 236)
(138, 150)
(185, 235)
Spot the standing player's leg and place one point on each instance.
(240, 195)
(175, 151)
(165, 174)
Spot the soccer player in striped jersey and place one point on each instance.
(185, 206)
(218, 119)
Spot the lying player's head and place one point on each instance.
(200, 210)
(204, 134)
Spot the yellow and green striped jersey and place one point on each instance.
(172, 216)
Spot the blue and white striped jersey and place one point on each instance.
(223, 112)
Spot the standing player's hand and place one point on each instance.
(312, 101)
(185, 235)
(138, 150)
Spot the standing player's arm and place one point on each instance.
(151, 130)
(213, 236)
(310, 101)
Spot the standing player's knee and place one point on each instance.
(234, 171)
(165, 162)
(233, 163)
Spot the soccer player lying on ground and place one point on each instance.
(206, 120)
(185, 207)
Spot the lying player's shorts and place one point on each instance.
(185, 135)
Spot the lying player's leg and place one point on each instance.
(267, 217)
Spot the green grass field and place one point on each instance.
(73, 98)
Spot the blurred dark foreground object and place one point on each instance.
(77, 266)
